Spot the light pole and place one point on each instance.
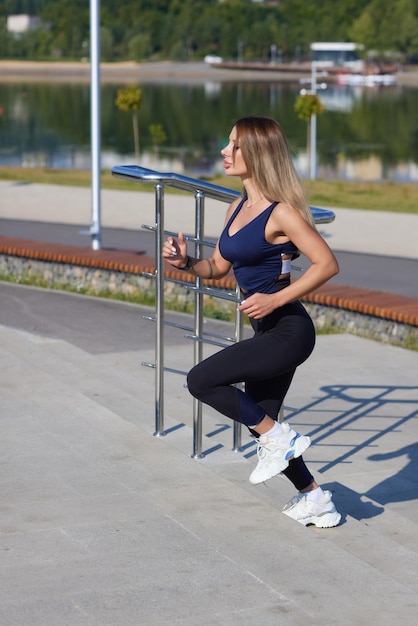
(95, 122)
(312, 142)
(312, 158)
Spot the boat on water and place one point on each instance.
(366, 80)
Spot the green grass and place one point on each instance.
(384, 196)
(71, 178)
(376, 196)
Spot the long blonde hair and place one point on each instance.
(266, 154)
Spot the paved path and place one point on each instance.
(103, 524)
(376, 250)
(369, 232)
(379, 273)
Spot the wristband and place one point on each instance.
(188, 265)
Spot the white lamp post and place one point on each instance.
(95, 124)
(314, 88)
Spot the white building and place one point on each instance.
(338, 54)
(22, 23)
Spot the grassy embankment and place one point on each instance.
(373, 196)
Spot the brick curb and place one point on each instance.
(397, 308)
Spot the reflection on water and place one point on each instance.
(367, 134)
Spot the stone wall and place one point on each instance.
(106, 282)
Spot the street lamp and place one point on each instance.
(95, 123)
(312, 91)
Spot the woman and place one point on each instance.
(264, 230)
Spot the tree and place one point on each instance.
(106, 44)
(384, 27)
(129, 99)
(306, 106)
(139, 47)
(69, 21)
(144, 29)
(158, 135)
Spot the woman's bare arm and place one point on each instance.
(310, 243)
(175, 252)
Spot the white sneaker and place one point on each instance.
(321, 514)
(275, 451)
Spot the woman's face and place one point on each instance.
(234, 164)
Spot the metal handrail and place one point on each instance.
(201, 190)
(185, 183)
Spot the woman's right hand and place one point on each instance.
(175, 251)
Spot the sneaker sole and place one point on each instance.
(327, 520)
(298, 445)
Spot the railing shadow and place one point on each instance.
(402, 486)
(363, 402)
(364, 417)
(367, 417)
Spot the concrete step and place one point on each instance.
(120, 383)
(88, 490)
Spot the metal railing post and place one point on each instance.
(198, 323)
(239, 332)
(159, 311)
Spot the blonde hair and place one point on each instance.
(266, 154)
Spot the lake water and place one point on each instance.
(364, 134)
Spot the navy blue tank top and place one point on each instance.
(257, 264)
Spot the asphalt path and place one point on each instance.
(381, 273)
(96, 325)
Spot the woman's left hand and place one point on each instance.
(259, 305)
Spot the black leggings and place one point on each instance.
(266, 364)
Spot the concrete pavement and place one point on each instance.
(104, 524)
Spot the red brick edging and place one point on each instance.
(376, 303)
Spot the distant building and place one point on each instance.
(338, 54)
(21, 23)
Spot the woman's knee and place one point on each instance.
(196, 381)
